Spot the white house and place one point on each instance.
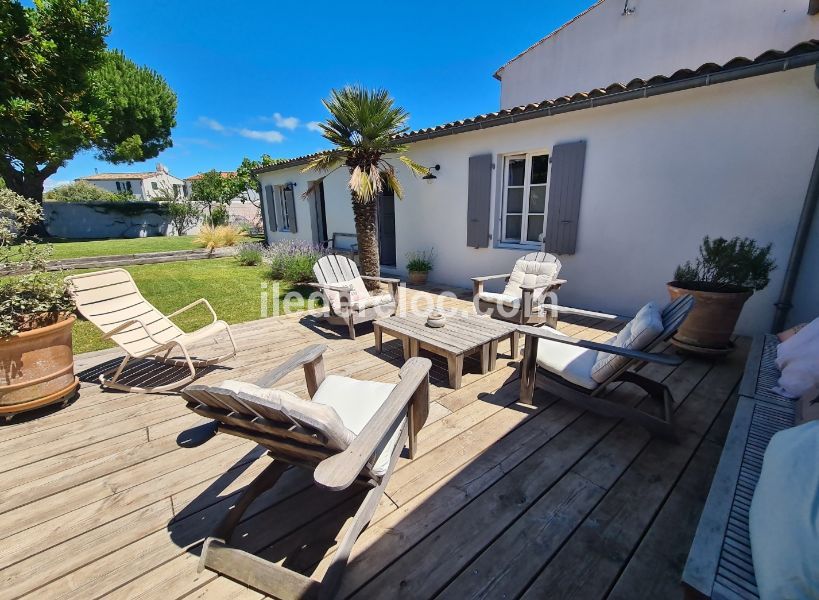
(145, 186)
(664, 122)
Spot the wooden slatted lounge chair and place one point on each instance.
(523, 299)
(111, 300)
(580, 371)
(351, 432)
(347, 297)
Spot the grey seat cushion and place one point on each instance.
(637, 334)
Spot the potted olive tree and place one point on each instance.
(721, 279)
(419, 264)
(35, 318)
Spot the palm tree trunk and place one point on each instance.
(366, 229)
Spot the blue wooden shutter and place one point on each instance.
(270, 202)
(479, 196)
(565, 191)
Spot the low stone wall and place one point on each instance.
(74, 220)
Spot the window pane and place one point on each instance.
(540, 168)
(513, 227)
(534, 227)
(516, 170)
(514, 200)
(537, 199)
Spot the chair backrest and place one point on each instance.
(339, 270)
(643, 333)
(110, 298)
(536, 268)
(293, 429)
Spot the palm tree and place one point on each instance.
(363, 126)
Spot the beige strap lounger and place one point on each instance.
(111, 300)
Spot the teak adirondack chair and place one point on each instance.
(564, 366)
(111, 300)
(522, 300)
(351, 432)
(346, 296)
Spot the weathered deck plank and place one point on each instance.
(98, 500)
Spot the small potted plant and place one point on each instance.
(35, 317)
(419, 264)
(721, 279)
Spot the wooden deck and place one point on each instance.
(102, 499)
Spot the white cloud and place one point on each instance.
(267, 136)
(271, 135)
(211, 124)
(313, 126)
(285, 122)
(50, 183)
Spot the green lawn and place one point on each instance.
(233, 291)
(87, 248)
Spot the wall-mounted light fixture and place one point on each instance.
(628, 10)
(289, 186)
(430, 176)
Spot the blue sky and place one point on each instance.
(250, 75)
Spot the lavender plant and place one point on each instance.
(293, 260)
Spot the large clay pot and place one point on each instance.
(417, 277)
(38, 368)
(710, 324)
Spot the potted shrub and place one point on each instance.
(35, 318)
(419, 264)
(721, 280)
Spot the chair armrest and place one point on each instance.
(339, 471)
(123, 326)
(196, 303)
(310, 355)
(663, 359)
(552, 284)
(567, 310)
(330, 286)
(384, 279)
(558, 282)
(491, 277)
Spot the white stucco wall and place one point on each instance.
(141, 188)
(662, 36)
(660, 173)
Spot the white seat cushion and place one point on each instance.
(356, 402)
(643, 329)
(572, 363)
(358, 293)
(504, 299)
(379, 300)
(530, 273)
(320, 417)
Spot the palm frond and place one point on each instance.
(324, 162)
(414, 167)
(391, 180)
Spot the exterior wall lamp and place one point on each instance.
(430, 176)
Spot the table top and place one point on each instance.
(463, 331)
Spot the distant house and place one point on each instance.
(144, 186)
(623, 138)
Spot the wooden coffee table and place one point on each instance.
(462, 335)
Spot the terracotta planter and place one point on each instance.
(711, 323)
(38, 368)
(417, 277)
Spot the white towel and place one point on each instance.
(798, 360)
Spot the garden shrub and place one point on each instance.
(249, 254)
(81, 191)
(219, 215)
(293, 261)
(219, 237)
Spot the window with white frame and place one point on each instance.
(525, 197)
